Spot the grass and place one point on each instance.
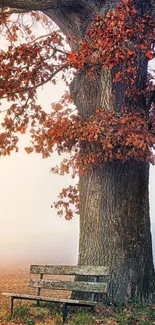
(51, 314)
(139, 314)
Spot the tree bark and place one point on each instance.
(114, 205)
(114, 200)
(115, 227)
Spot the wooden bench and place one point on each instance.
(95, 287)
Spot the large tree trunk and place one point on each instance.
(114, 204)
(115, 227)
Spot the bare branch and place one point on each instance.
(30, 5)
(40, 4)
(14, 11)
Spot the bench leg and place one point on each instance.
(12, 301)
(64, 311)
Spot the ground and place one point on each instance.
(15, 279)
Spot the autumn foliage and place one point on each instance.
(113, 42)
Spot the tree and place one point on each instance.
(111, 136)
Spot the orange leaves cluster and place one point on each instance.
(68, 202)
(23, 69)
(16, 120)
(8, 142)
(116, 39)
(113, 137)
(57, 130)
(104, 137)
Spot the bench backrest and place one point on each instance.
(81, 286)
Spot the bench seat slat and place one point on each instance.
(96, 287)
(69, 270)
(49, 299)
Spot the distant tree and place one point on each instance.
(110, 136)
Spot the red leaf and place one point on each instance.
(149, 55)
(72, 56)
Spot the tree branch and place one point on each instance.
(73, 17)
(14, 11)
(30, 5)
(41, 4)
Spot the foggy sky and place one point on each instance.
(30, 231)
